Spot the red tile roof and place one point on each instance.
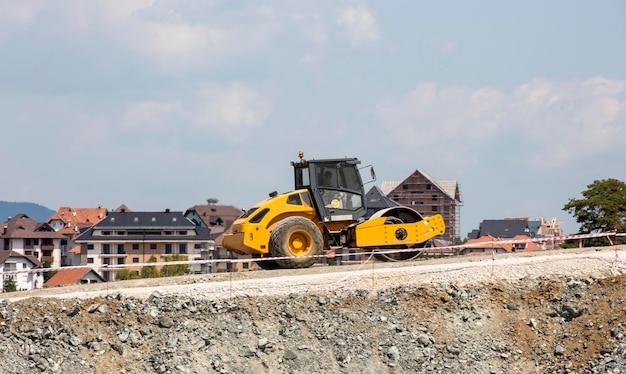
(67, 277)
(487, 239)
(76, 218)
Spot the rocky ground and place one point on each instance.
(559, 312)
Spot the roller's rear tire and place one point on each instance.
(299, 240)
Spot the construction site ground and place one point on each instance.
(557, 311)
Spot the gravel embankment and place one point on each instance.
(561, 311)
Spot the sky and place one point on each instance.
(165, 104)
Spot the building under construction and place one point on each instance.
(428, 196)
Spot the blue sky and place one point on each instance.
(164, 104)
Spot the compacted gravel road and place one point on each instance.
(375, 275)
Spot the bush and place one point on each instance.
(10, 285)
(175, 270)
(125, 274)
(150, 271)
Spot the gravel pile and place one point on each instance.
(561, 313)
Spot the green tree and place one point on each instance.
(177, 269)
(150, 271)
(602, 208)
(47, 274)
(10, 285)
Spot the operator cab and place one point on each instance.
(335, 185)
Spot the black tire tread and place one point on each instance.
(279, 237)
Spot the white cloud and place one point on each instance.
(445, 48)
(230, 110)
(554, 123)
(359, 25)
(16, 15)
(233, 106)
(603, 86)
(151, 116)
(173, 37)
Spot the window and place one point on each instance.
(168, 248)
(90, 260)
(135, 260)
(245, 265)
(168, 233)
(120, 249)
(405, 186)
(153, 246)
(434, 197)
(135, 246)
(259, 216)
(120, 233)
(89, 246)
(434, 208)
(47, 253)
(106, 232)
(106, 261)
(106, 249)
(182, 233)
(197, 246)
(182, 248)
(294, 199)
(120, 261)
(429, 186)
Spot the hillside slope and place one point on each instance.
(35, 211)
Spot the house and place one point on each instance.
(429, 196)
(219, 219)
(66, 277)
(504, 228)
(216, 217)
(376, 200)
(15, 261)
(509, 228)
(489, 244)
(126, 238)
(73, 256)
(70, 222)
(31, 238)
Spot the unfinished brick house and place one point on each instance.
(428, 196)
